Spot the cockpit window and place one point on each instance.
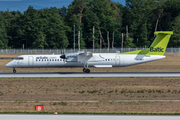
(19, 58)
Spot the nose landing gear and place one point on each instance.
(14, 71)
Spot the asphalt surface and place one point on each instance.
(86, 117)
(87, 75)
(92, 101)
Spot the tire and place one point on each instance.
(14, 71)
(84, 70)
(87, 70)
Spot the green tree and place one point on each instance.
(31, 27)
(175, 40)
(3, 33)
(108, 15)
(89, 21)
(129, 43)
(172, 7)
(63, 11)
(15, 37)
(40, 41)
(140, 15)
(74, 16)
(54, 29)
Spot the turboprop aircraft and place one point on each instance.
(85, 60)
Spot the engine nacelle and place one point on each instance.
(63, 56)
(70, 57)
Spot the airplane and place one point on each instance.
(81, 59)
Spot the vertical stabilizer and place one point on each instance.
(159, 45)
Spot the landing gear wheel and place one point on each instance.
(87, 70)
(14, 71)
(84, 70)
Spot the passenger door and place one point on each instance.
(30, 61)
(117, 60)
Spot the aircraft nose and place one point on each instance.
(8, 65)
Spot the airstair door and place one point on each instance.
(30, 61)
(117, 60)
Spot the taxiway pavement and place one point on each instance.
(86, 117)
(86, 75)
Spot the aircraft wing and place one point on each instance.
(80, 56)
(84, 57)
(81, 52)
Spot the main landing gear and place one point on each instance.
(14, 71)
(85, 69)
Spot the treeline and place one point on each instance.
(98, 24)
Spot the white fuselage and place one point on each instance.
(97, 60)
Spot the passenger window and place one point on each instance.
(39, 59)
(47, 59)
(57, 59)
(52, 59)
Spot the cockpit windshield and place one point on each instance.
(19, 58)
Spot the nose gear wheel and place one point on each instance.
(14, 71)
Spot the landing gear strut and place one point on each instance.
(85, 69)
(14, 71)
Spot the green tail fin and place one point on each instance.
(158, 47)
